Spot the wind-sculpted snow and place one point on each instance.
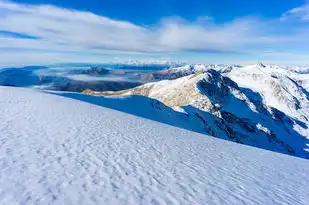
(56, 150)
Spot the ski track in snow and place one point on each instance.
(55, 150)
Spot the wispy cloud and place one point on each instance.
(301, 13)
(50, 28)
(9, 34)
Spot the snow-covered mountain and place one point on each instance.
(57, 150)
(147, 63)
(257, 105)
(260, 105)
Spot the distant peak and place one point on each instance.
(261, 65)
(148, 62)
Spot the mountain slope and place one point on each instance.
(22, 77)
(254, 108)
(56, 150)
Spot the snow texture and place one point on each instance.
(56, 150)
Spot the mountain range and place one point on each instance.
(260, 105)
(190, 134)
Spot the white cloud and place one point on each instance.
(301, 13)
(58, 29)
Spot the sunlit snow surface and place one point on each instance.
(55, 150)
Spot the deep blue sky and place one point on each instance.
(151, 11)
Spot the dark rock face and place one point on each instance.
(93, 71)
(261, 65)
(96, 71)
(216, 86)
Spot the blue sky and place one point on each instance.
(150, 12)
(196, 31)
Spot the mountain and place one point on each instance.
(76, 78)
(21, 77)
(253, 105)
(93, 71)
(260, 105)
(68, 79)
(58, 150)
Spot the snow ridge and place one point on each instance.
(254, 105)
(56, 150)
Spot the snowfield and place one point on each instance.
(56, 150)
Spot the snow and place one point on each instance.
(256, 109)
(56, 150)
(276, 86)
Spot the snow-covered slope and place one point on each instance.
(277, 87)
(248, 105)
(55, 150)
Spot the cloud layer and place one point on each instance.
(46, 28)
